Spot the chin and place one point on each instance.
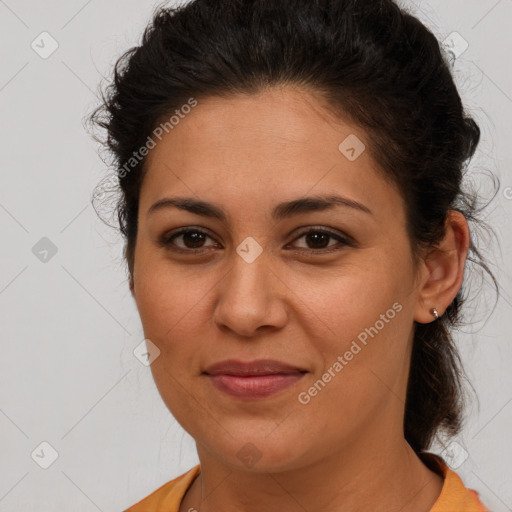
(260, 454)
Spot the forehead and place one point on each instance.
(276, 121)
(279, 143)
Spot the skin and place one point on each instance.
(345, 449)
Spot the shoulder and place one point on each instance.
(167, 498)
(455, 496)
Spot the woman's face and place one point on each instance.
(265, 274)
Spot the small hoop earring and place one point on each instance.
(435, 313)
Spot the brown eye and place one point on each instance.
(192, 240)
(318, 240)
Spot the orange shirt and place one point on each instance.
(454, 497)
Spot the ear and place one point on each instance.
(443, 269)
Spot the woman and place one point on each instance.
(296, 239)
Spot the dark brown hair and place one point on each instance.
(377, 66)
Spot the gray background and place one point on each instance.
(68, 324)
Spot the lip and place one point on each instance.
(251, 368)
(254, 379)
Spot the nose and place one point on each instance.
(251, 297)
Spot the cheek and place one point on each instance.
(167, 295)
(347, 300)
(361, 374)
(362, 314)
(170, 311)
(175, 305)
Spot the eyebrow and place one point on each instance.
(281, 211)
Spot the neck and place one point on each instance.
(390, 476)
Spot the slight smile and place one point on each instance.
(253, 380)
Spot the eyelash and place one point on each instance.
(166, 241)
